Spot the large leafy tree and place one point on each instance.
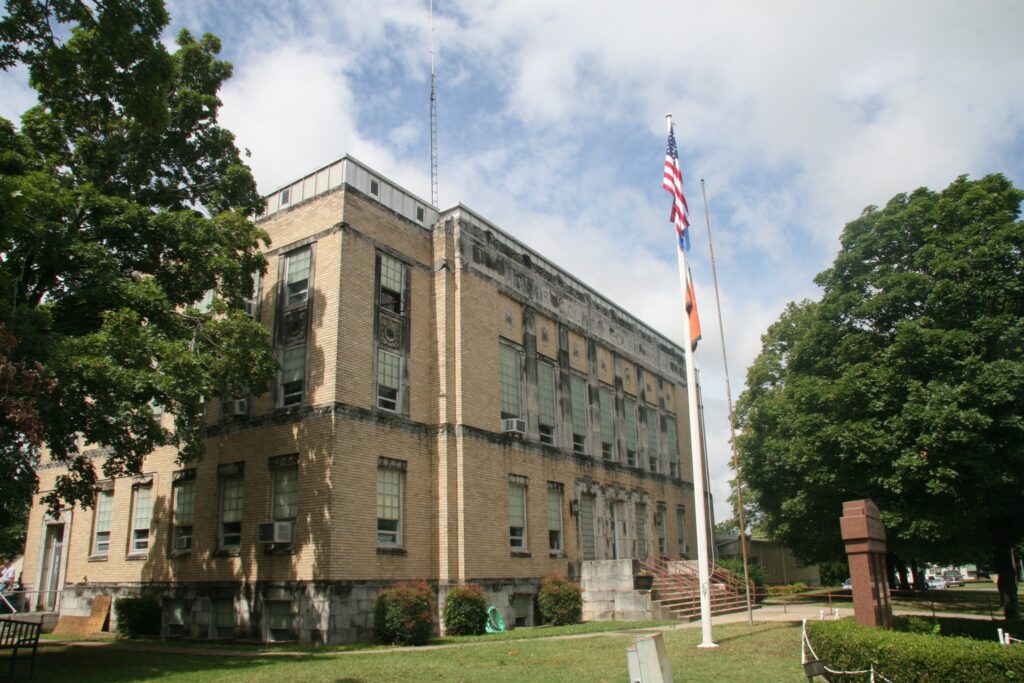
(122, 202)
(904, 384)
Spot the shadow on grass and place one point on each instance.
(756, 631)
(101, 663)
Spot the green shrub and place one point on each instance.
(914, 657)
(137, 616)
(735, 566)
(976, 629)
(560, 601)
(465, 611)
(402, 615)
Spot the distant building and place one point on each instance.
(451, 407)
(780, 565)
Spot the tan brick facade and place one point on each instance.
(468, 291)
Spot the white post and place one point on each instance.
(700, 501)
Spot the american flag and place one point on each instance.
(673, 182)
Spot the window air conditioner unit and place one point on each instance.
(513, 425)
(235, 407)
(249, 306)
(183, 543)
(274, 532)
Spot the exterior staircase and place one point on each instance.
(675, 591)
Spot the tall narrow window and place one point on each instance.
(641, 530)
(389, 379)
(286, 494)
(297, 276)
(230, 532)
(142, 516)
(681, 530)
(672, 443)
(184, 491)
(101, 535)
(390, 476)
(659, 520)
(546, 402)
(293, 375)
(588, 547)
(555, 496)
(629, 423)
(651, 418)
(510, 381)
(392, 284)
(578, 390)
(517, 513)
(607, 426)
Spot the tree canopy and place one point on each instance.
(123, 202)
(903, 384)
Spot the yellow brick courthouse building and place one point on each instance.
(451, 407)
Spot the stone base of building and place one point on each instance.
(308, 612)
(609, 593)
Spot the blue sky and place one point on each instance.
(551, 125)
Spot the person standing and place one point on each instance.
(7, 574)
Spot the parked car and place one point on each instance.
(935, 583)
(848, 584)
(953, 577)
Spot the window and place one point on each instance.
(280, 620)
(224, 619)
(629, 418)
(607, 429)
(641, 530)
(297, 276)
(588, 547)
(659, 521)
(206, 303)
(389, 505)
(578, 395)
(510, 383)
(419, 213)
(285, 196)
(231, 489)
(651, 418)
(392, 284)
(286, 494)
(555, 495)
(293, 375)
(546, 402)
(517, 513)
(142, 515)
(101, 535)
(251, 304)
(374, 187)
(389, 379)
(184, 510)
(681, 530)
(672, 442)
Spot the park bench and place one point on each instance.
(18, 636)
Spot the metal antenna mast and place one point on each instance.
(433, 116)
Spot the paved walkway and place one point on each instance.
(794, 613)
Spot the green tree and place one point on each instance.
(122, 203)
(904, 384)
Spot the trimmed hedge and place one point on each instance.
(560, 601)
(976, 629)
(137, 616)
(402, 615)
(914, 657)
(465, 611)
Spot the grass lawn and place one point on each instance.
(763, 652)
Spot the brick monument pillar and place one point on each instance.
(864, 536)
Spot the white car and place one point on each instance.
(935, 583)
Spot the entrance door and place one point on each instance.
(49, 575)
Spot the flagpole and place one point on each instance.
(696, 458)
(732, 423)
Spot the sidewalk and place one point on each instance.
(794, 613)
